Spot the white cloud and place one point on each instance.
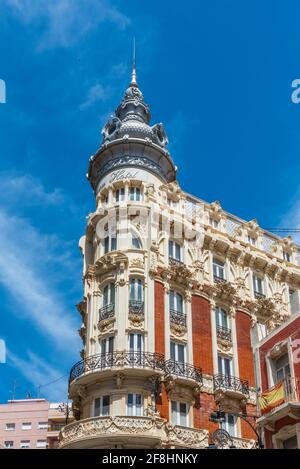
(34, 264)
(96, 93)
(63, 22)
(38, 372)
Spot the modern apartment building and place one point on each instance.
(175, 288)
(30, 424)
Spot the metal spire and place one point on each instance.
(133, 74)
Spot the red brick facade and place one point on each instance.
(202, 339)
(245, 353)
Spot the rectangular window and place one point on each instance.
(101, 406)
(25, 444)
(286, 256)
(107, 345)
(258, 285)
(8, 444)
(109, 294)
(174, 250)
(218, 269)
(175, 302)
(221, 318)
(26, 426)
(134, 404)
(10, 426)
(41, 444)
(120, 194)
(135, 193)
(177, 351)
(43, 425)
(135, 342)
(179, 413)
(136, 290)
(110, 244)
(229, 424)
(224, 366)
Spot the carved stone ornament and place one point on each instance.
(119, 377)
(137, 263)
(111, 261)
(136, 320)
(106, 325)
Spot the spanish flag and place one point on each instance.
(271, 398)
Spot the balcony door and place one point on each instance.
(283, 373)
(225, 366)
(135, 349)
(229, 424)
(221, 318)
(109, 295)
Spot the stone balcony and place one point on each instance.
(130, 432)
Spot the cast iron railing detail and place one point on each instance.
(175, 262)
(230, 383)
(218, 279)
(223, 333)
(107, 311)
(177, 317)
(259, 295)
(117, 360)
(136, 307)
(184, 370)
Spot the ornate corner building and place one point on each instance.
(175, 292)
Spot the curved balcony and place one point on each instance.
(136, 308)
(130, 432)
(106, 432)
(116, 360)
(107, 312)
(183, 371)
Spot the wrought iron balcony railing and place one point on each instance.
(136, 307)
(259, 295)
(183, 370)
(175, 262)
(218, 279)
(231, 383)
(117, 360)
(177, 317)
(224, 333)
(107, 311)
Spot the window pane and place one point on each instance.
(179, 302)
(170, 248)
(227, 370)
(131, 342)
(174, 412)
(177, 252)
(110, 344)
(181, 349)
(113, 244)
(171, 300)
(132, 289)
(106, 244)
(97, 407)
(173, 356)
(139, 342)
(105, 405)
(220, 364)
(112, 293)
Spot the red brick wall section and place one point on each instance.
(245, 354)
(246, 430)
(159, 328)
(202, 413)
(202, 340)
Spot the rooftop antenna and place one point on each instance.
(13, 390)
(133, 74)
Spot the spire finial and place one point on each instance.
(133, 74)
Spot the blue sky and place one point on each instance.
(217, 73)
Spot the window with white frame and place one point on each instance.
(107, 345)
(135, 193)
(177, 351)
(172, 203)
(229, 424)
(175, 302)
(26, 426)
(180, 413)
(218, 269)
(120, 194)
(225, 366)
(24, 444)
(101, 406)
(10, 426)
(109, 294)
(42, 425)
(41, 444)
(286, 256)
(294, 301)
(8, 444)
(258, 285)
(136, 290)
(134, 404)
(135, 342)
(174, 250)
(222, 318)
(282, 368)
(110, 239)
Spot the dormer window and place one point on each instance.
(252, 240)
(120, 194)
(214, 223)
(286, 256)
(135, 194)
